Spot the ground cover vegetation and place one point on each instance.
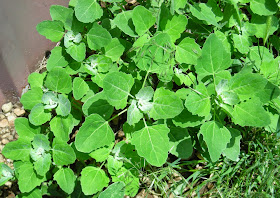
(177, 77)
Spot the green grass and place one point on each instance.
(256, 174)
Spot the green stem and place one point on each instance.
(145, 79)
(123, 111)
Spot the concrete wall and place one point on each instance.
(21, 47)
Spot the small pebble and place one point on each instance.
(4, 123)
(19, 112)
(1, 158)
(7, 107)
(10, 138)
(9, 184)
(11, 118)
(2, 116)
(5, 141)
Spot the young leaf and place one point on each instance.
(98, 37)
(144, 96)
(35, 193)
(87, 11)
(198, 103)
(117, 86)
(166, 104)
(250, 113)
(52, 30)
(59, 81)
(41, 141)
(64, 105)
(216, 137)
(93, 180)
(260, 54)
(187, 119)
(233, 147)
(204, 13)
(27, 178)
(66, 179)
(42, 165)
(242, 42)
(63, 154)
(18, 150)
(214, 57)
(80, 88)
(62, 127)
(63, 14)
(77, 51)
(101, 154)
(133, 113)
(270, 70)
(94, 133)
(36, 79)
(25, 129)
(114, 49)
(187, 51)
(115, 190)
(264, 7)
(31, 98)
(180, 142)
(39, 115)
(6, 173)
(124, 22)
(142, 19)
(152, 143)
(176, 26)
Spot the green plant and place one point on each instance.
(137, 69)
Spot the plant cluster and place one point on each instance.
(173, 75)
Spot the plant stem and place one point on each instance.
(123, 111)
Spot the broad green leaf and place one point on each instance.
(228, 97)
(264, 7)
(41, 141)
(62, 127)
(87, 11)
(179, 4)
(242, 42)
(42, 165)
(198, 102)
(63, 14)
(166, 104)
(114, 49)
(36, 193)
(142, 19)
(216, 137)
(93, 180)
(114, 165)
(52, 30)
(260, 26)
(250, 113)
(64, 105)
(99, 105)
(152, 143)
(260, 54)
(233, 147)
(133, 113)
(176, 26)
(58, 58)
(246, 85)
(63, 154)
(270, 70)
(214, 57)
(80, 88)
(131, 181)
(94, 133)
(17, 150)
(268, 93)
(101, 154)
(204, 13)
(25, 129)
(39, 115)
(115, 190)
(66, 179)
(187, 51)
(31, 98)
(59, 81)
(180, 142)
(36, 79)
(187, 119)
(124, 22)
(77, 51)
(98, 37)
(27, 178)
(117, 86)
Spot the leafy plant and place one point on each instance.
(174, 76)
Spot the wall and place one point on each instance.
(21, 47)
